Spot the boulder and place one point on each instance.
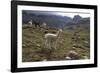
(73, 55)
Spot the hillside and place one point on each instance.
(76, 39)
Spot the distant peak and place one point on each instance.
(76, 18)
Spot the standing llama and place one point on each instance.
(51, 39)
(37, 23)
(44, 25)
(30, 23)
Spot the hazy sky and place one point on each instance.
(73, 14)
(69, 14)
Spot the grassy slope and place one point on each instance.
(33, 48)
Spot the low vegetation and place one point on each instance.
(74, 38)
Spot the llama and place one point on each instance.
(51, 39)
(44, 25)
(30, 23)
(37, 23)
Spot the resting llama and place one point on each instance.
(51, 39)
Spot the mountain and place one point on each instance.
(84, 21)
(53, 20)
(77, 18)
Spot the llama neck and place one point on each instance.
(58, 32)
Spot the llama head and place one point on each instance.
(59, 32)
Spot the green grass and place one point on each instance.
(33, 47)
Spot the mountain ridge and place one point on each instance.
(54, 20)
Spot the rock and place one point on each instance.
(73, 47)
(86, 42)
(85, 57)
(73, 55)
(36, 58)
(73, 52)
(74, 44)
(23, 45)
(38, 45)
(44, 59)
(68, 58)
(79, 37)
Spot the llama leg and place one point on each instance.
(45, 43)
(49, 43)
(56, 44)
(52, 44)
